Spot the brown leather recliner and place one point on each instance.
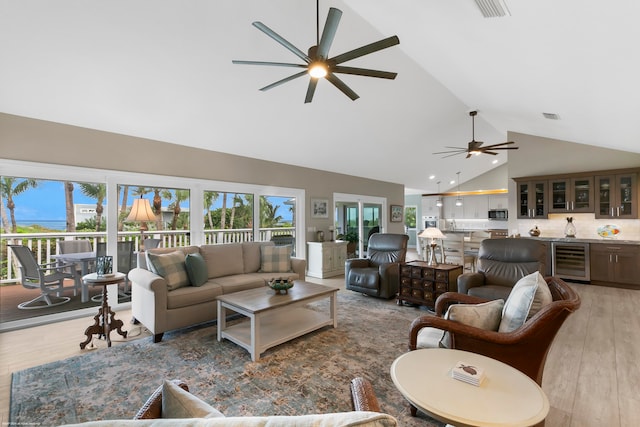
(378, 275)
(501, 263)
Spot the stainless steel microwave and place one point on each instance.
(499, 214)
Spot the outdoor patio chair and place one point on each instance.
(76, 246)
(49, 278)
(151, 243)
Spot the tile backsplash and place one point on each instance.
(586, 226)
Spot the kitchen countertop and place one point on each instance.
(578, 240)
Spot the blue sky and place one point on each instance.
(46, 202)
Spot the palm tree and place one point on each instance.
(9, 188)
(209, 198)
(176, 198)
(223, 212)
(98, 192)
(69, 212)
(268, 213)
(123, 206)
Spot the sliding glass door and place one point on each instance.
(359, 216)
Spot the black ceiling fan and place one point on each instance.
(475, 147)
(317, 62)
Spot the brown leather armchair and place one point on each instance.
(525, 348)
(501, 263)
(378, 275)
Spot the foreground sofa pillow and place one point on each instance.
(337, 419)
(179, 403)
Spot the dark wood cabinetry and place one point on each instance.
(421, 283)
(571, 195)
(613, 264)
(616, 196)
(608, 193)
(532, 199)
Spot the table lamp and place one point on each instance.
(432, 233)
(141, 212)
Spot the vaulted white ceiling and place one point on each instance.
(162, 69)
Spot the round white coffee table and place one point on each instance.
(506, 397)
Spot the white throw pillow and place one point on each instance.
(486, 315)
(521, 301)
(179, 403)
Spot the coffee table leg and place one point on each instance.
(222, 319)
(255, 337)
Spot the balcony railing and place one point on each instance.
(45, 244)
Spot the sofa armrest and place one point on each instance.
(363, 397)
(299, 266)
(148, 280)
(467, 281)
(152, 409)
(356, 263)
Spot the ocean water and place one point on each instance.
(51, 224)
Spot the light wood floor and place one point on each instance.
(592, 375)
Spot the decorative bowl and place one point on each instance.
(280, 286)
(608, 231)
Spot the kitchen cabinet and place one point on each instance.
(429, 207)
(613, 264)
(326, 259)
(450, 210)
(498, 202)
(571, 195)
(422, 284)
(532, 199)
(616, 196)
(475, 207)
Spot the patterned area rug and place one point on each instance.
(310, 374)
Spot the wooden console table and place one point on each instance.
(105, 320)
(421, 283)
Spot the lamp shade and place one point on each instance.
(432, 233)
(141, 211)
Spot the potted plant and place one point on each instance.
(352, 238)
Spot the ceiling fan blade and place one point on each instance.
(499, 148)
(498, 145)
(364, 72)
(311, 89)
(329, 32)
(365, 50)
(451, 155)
(276, 64)
(342, 86)
(268, 31)
(455, 150)
(287, 79)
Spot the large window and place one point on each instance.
(81, 203)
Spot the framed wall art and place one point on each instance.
(319, 208)
(396, 213)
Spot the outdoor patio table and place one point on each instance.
(82, 259)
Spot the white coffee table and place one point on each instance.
(506, 397)
(272, 318)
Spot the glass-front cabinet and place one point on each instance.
(532, 199)
(571, 195)
(616, 196)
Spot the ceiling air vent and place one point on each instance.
(551, 116)
(493, 8)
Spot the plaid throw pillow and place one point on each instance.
(275, 259)
(171, 267)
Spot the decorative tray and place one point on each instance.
(609, 231)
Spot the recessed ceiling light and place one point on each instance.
(453, 181)
(495, 161)
(431, 176)
(551, 116)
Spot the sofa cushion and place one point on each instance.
(193, 295)
(238, 282)
(251, 255)
(223, 260)
(275, 259)
(171, 267)
(196, 269)
(521, 300)
(179, 403)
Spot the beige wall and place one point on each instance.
(47, 142)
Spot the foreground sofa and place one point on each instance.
(184, 291)
(172, 405)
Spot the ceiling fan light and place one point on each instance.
(318, 70)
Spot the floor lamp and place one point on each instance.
(432, 233)
(141, 212)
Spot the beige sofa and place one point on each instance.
(229, 268)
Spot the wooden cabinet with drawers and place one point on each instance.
(421, 283)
